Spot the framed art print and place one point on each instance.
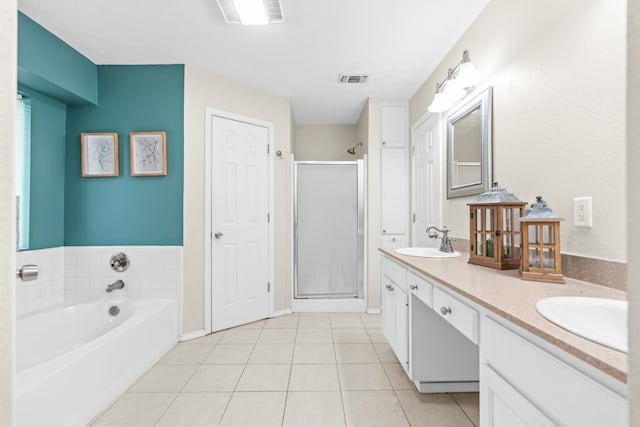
(148, 153)
(99, 154)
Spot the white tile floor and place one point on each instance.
(307, 369)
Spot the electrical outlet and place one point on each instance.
(582, 212)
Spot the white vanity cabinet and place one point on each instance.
(455, 344)
(394, 176)
(395, 309)
(434, 354)
(522, 383)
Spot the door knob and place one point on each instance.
(218, 235)
(413, 287)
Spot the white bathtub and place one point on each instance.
(73, 362)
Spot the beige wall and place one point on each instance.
(8, 82)
(368, 131)
(326, 142)
(633, 204)
(558, 72)
(207, 90)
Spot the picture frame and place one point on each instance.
(148, 153)
(99, 153)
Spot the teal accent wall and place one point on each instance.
(48, 129)
(128, 210)
(49, 65)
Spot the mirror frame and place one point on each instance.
(484, 100)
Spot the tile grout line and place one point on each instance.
(233, 392)
(335, 354)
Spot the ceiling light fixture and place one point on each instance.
(459, 82)
(251, 12)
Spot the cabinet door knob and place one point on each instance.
(391, 288)
(413, 287)
(444, 310)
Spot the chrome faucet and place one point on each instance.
(446, 243)
(118, 284)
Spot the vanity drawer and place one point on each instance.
(421, 288)
(457, 313)
(394, 271)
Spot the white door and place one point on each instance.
(239, 223)
(427, 209)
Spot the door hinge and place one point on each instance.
(268, 286)
(268, 218)
(414, 217)
(268, 145)
(413, 150)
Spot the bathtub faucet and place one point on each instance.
(118, 284)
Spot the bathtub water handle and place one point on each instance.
(119, 262)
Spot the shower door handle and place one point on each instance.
(218, 235)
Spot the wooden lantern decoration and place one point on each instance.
(541, 244)
(495, 229)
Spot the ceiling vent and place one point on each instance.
(353, 78)
(230, 14)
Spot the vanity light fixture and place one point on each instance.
(251, 12)
(459, 82)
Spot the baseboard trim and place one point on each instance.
(373, 311)
(192, 335)
(445, 387)
(281, 312)
(329, 305)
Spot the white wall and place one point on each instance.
(633, 204)
(202, 90)
(8, 88)
(326, 142)
(558, 72)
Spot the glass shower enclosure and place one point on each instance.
(328, 230)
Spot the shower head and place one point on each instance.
(352, 150)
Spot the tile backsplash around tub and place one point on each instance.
(48, 288)
(154, 271)
(74, 274)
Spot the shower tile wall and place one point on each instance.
(155, 272)
(48, 288)
(78, 273)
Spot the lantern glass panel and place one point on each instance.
(516, 246)
(549, 235)
(507, 219)
(534, 257)
(534, 237)
(549, 258)
(489, 248)
(479, 219)
(479, 245)
(489, 219)
(508, 251)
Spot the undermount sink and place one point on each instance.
(426, 253)
(597, 319)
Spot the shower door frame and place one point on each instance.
(337, 303)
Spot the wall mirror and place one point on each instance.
(469, 139)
